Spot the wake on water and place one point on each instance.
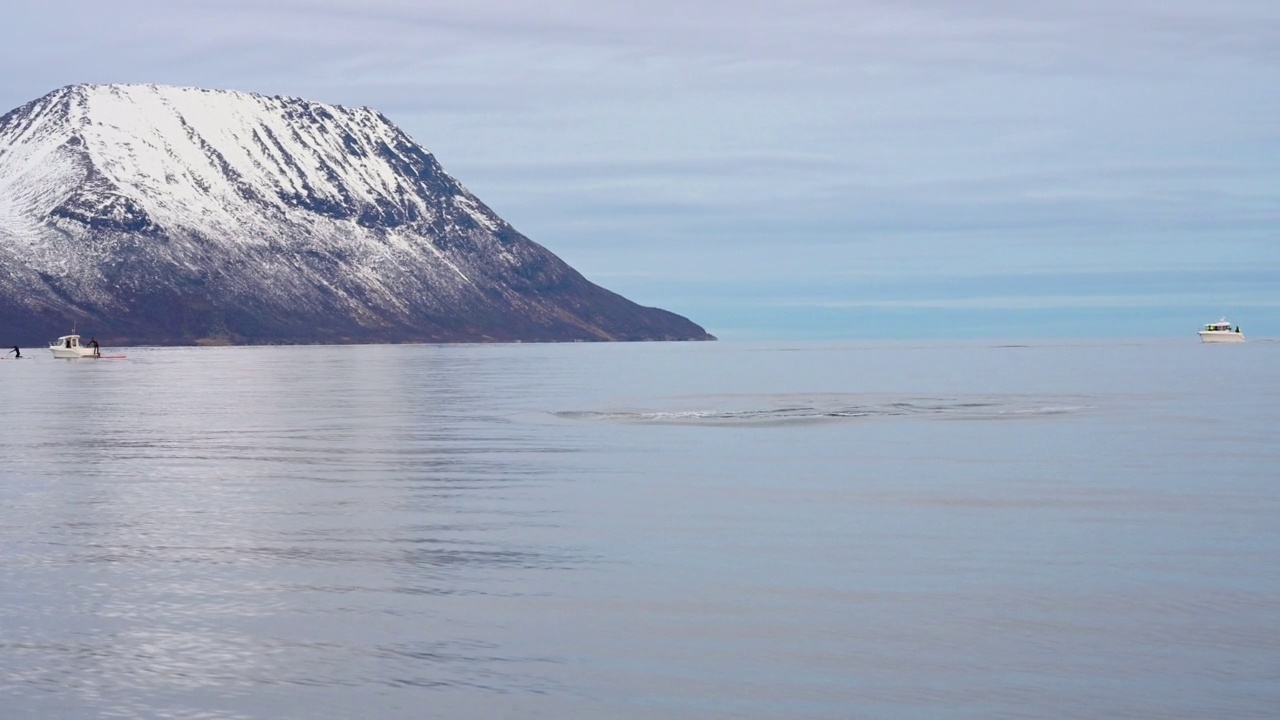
(747, 410)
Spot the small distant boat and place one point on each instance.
(1221, 332)
(68, 346)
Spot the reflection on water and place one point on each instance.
(234, 519)
(557, 531)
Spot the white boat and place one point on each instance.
(1221, 332)
(68, 346)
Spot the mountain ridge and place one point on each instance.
(174, 215)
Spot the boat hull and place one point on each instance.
(1219, 336)
(72, 353)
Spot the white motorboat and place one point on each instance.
(1221, 332)
(68, 346)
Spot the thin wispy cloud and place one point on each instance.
(1027, 302)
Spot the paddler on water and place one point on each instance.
(93, 343)
(15, 352)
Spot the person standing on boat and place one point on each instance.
(15, 352)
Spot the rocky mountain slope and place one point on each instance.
(147, 214)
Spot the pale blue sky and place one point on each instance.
(795, 169)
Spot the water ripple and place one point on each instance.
(765, 410)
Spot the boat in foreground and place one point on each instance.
(1221, 332)
(68, 346)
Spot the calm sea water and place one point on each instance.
(721, 530)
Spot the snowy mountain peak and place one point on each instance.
(146, 155)
(271, 215)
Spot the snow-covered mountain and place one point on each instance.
(148, 214)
